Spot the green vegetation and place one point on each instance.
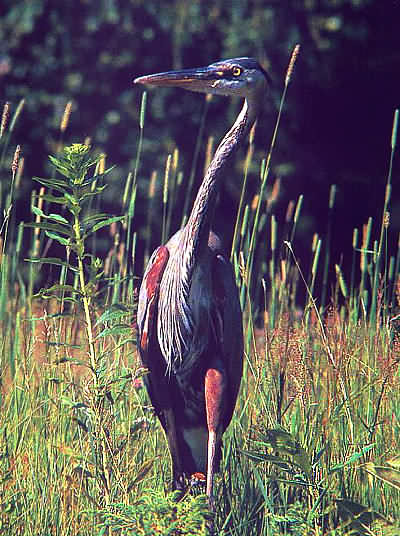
(313, 448)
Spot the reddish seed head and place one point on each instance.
(4, 118)
(14, 165)
(292, 62)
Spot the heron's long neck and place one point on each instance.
(198, 225)
(175, 331)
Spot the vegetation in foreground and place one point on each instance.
(313, 448)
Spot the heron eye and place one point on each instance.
(236, 71)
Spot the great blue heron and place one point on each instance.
(189, 317)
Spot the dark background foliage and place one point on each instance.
(336, 126)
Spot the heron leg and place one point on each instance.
(214, 395)
(177, 470)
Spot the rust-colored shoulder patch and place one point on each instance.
(151, 282)
(154, 275)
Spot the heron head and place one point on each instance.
(240, 77)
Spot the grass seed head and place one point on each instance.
(274, 192)
(292, 62)
(14, 165)
(152, 184)
(289, 211)
(386, 219)
(4, 118)
(254, 202)
(66, 116)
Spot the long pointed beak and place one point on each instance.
(193, 79)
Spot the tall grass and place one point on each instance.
(313, 447)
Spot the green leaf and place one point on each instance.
(61, 168)
(58, 217)
(96, 191)
(53, 184)
(119, 329)
(59, 199)
(104, 223)
(52, 227)
(69, 299)
(106, 172)
(115, 312)
(91, 218)
(55, 217)
(58, 238)
(37, 211)
(282, 441)
(89, 180)
(353, 458)
(94, 178)
(63, 288)
(98, 176)
(55, 290)
(72, 199)
(53, 260)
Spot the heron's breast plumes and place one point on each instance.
(175, 323)
(183, 309)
